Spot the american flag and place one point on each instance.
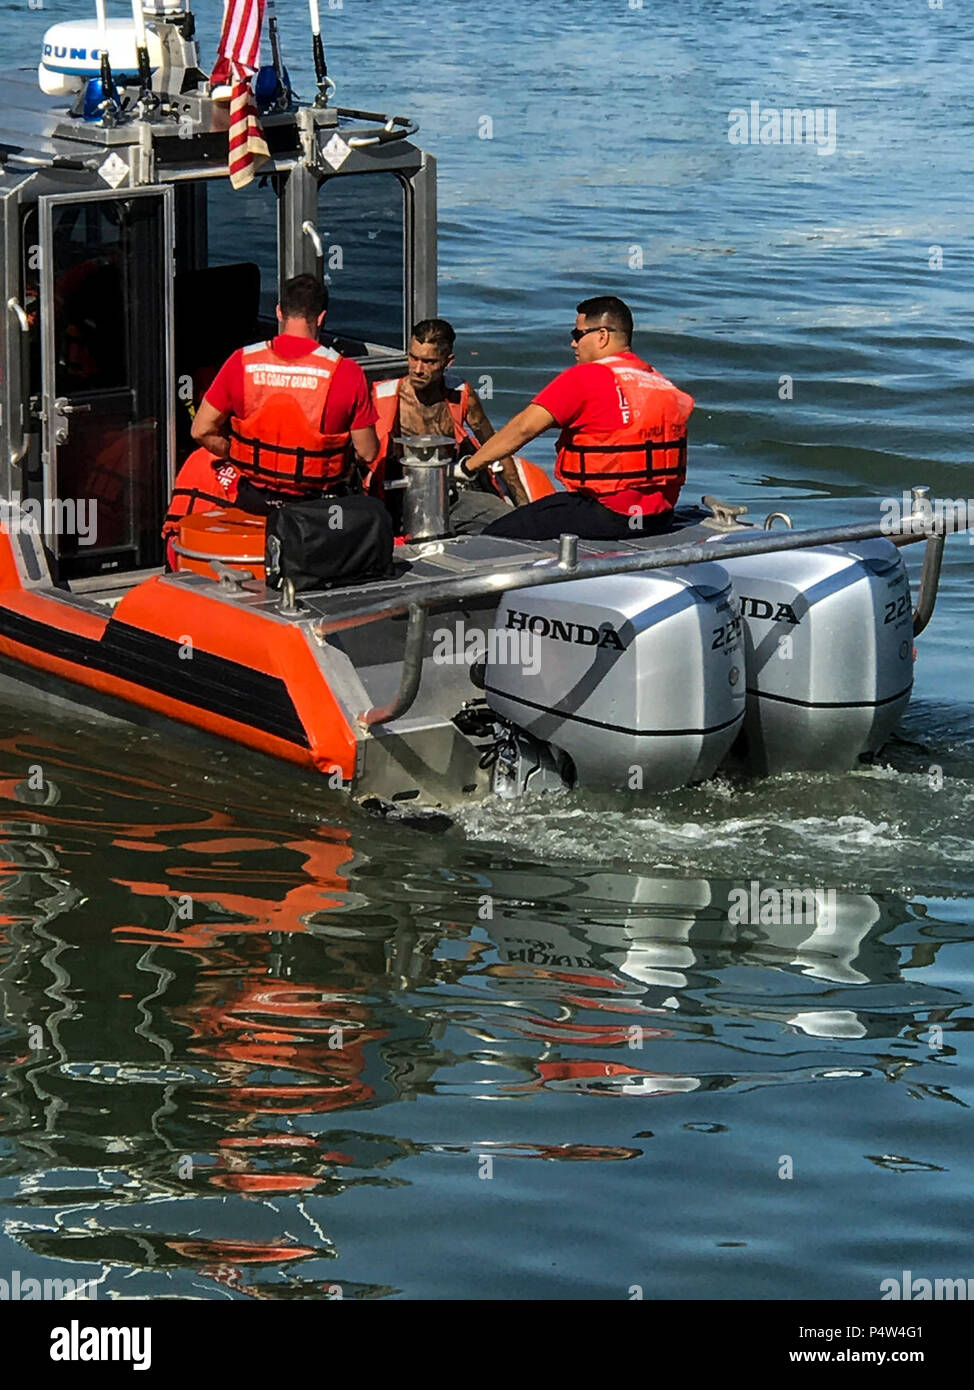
(239, 54)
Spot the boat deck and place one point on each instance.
(481, 559)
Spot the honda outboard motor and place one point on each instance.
(828, 639)
(637, 678)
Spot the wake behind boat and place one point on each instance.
(480, 665)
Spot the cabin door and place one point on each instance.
(108, 397)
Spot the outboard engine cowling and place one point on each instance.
(624, 672)
(828, 640)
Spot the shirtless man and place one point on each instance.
(422, 403)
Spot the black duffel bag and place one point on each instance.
(327, 542)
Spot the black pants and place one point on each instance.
(574, 513)
(261, 501)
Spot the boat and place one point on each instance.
(479, 666)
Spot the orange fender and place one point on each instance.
(534, 480)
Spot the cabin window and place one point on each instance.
(226, 284)
(360, 220)
(30, 291)
(90, 253)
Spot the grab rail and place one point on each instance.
(418, 598)
(393, 127)
(933, 555)
(17, 451)
(400, 597)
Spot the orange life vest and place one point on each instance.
(278, 442)
(648, 452)
(116, 470)
(203, 482)
(385, 396)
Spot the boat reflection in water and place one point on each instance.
(196, 1056)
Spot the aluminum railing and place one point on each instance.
(417, 597)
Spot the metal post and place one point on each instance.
(298, 253)
(425, 464)
(421, 246)
(567, 552)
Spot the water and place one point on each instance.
(257, 1044)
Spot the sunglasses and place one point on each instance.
(579, 333)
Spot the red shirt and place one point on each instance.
(585, 398)
(349, 404)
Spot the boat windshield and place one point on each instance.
(360, 220)
(242, 226)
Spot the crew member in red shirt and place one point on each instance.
(290, 415)
(622, 448)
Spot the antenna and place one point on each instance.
(283, 93)
(321, 67)
(108, 105)
(147, 97)
(101, 18)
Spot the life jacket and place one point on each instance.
(203, 482)
(116, 464)
(385, 396)
(278, 443)
(648, 452)
(114, 469)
